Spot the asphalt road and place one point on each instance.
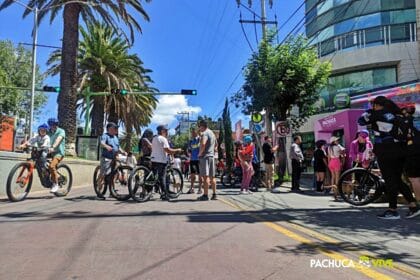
(259, 236)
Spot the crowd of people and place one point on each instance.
(396, 147)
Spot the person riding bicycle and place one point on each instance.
(110, 148)
(159, 156)
(41, 141)
(58, 139)
(145, 146)
(390, 154)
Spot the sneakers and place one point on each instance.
(389, 215)
(413, 212)
(214, 197)
(199, 192)
(203, 198)
(54, 188)
(243, 192)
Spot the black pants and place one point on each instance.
(296, 170)
(391, 163)
(160, 169)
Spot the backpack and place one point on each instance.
(402, 128)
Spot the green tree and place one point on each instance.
(180, 141)
(112, 12)
(16, 71)
(227, 125)
(104, 63)
(279, 76)
(221, 140)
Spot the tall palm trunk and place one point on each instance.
(113, 115)
(97, 123)
(68, 75)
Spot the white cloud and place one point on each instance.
(168, 107)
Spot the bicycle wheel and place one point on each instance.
(227, 179)
(138, 187)
(19, 182)
(99, 187)
(174, 183)
(119, 183)
(358, 187)
(65, 180)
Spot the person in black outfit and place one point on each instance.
(390, 154)
(268, 160)
(297, 158)
(320, 164)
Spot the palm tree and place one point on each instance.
(111, 11)
(104, 63)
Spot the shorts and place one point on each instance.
(334, 164)
(207, 167)
(194, 167)
(106, 167)
(412, 166)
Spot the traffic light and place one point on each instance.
(189, 92)
(51, 89)
(119, 91)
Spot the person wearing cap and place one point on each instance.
(391, 156)
(159, 157)
(208, 145)
(335, 153)
(361, 149)
(297, 158)
(110, 145)
(57, 150)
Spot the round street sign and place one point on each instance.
(282, 129)
(258, 128)
(256, 118)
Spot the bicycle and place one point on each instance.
(361, 186)
(143, 181)
(17, 188)
(230, 178)
(116, 182)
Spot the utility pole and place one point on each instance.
(263, 22)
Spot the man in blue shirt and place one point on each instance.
(110, 147)
(194, 148)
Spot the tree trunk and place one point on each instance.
(113, 114)
(97, 123)
(68, 76)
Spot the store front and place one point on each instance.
(342, 124)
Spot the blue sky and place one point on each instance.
(191, 44)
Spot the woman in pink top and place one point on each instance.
(361, 149)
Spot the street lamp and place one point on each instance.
(34, 44)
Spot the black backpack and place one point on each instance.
(403, 128)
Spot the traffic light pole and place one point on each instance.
(87, 94)
(35, 39)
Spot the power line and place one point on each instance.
(246, 37)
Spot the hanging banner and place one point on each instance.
(238, 131)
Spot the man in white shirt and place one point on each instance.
(160, 151)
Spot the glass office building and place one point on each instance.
(371, 43)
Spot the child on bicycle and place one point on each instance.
(41, 141)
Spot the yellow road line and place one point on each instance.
(334, 255)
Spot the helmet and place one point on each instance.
(52, 121)
(43, 126)
(247, 139)
(148, 132)
(161, 127)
